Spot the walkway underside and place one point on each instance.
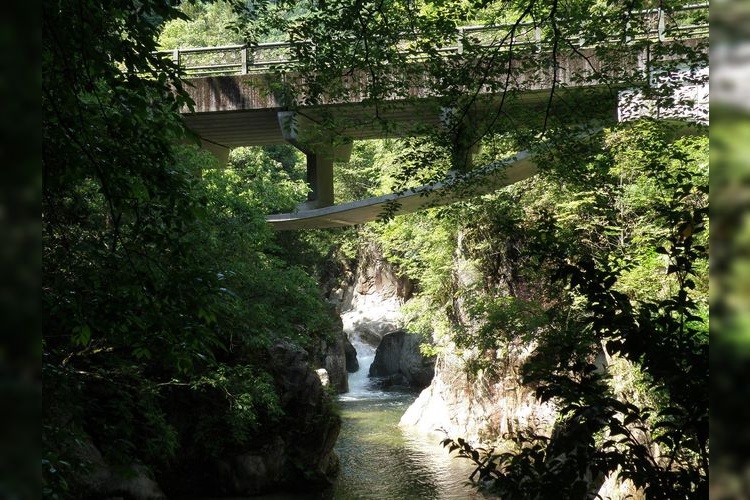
(479, 181)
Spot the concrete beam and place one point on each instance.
(456, 186)
(484, 180)
(322, 149)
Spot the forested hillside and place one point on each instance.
(611, 258)
(181, 333)
(164, 289)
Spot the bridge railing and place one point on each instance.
(688, 21)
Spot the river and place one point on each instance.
(379, 459)
(382, 461)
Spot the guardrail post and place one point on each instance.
(538, 37)
(662, 24)
(243, 54)
(628, 36)
(460, 39)
(176, 56)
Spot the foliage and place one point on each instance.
(160, 272)
(662, 448)
(206, 24)
(367, 172)
(111, 193)
(730, 317)
(249, 401)
(264, 180)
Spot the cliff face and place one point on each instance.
(488, 407)
(296, 453)
(482, 407)
(478, 408)
(370, 296)
(330, 354)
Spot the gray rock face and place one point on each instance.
(312, 427)
(479, 408)
(255, 471)
(399, 360)
(352, 364)
(331, 354)
(100, 480)
(302, 454)
(336, 363)
(296, 452)
(371, 304)
(482, 407)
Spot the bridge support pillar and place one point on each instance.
(221, 153)
(322, 149)
(463, 127)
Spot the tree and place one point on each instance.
(161, 280)
(579, 52)
(587, 255)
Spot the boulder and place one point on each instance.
(481, 407)
(300, 455)
(399, 360)
(352, 364)
(98, 479)
(292, 452)
(310, 426)
(335, 362)
(330, 353)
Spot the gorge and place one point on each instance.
(554, 332)
(389, 431)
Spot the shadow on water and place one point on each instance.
(379, 460)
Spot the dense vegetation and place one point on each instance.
(605, 262)
(162, 282)
(163, 286)
(615, 259)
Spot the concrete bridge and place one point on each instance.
(238, 102)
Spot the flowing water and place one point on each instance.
(379, 459)
(382, 461)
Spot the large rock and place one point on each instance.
(335, 362)
(311, 426)
(300, 455)
(283, 443)
(371, 303)
(330, 353)
(100, 480)
(352, 364)
(255, 471)
(479, 408)
(294, 452)
(399, 359)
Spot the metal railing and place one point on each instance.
(263, 57)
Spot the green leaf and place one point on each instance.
(81, 335)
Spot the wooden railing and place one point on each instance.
(264, 57)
